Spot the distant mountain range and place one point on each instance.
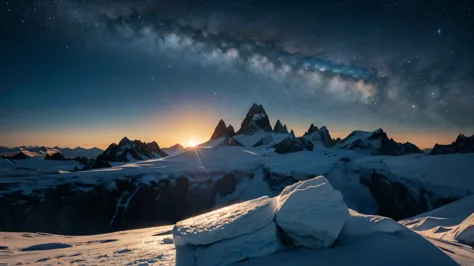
(256, 120)
(34, 151)
(462, 144)
(174, 150)
(128, 151)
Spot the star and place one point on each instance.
(439, 31)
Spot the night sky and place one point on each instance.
(90, 72)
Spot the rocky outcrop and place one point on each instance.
(376, 143)
(230, 141)
(54, 156)
(18, 156)
(222, 130)
(75, 208)
(293, 144)
(264, 141)
(319, 136)
(399, 200)
(128, 150)
(462, 144)
(230, 131)
(312, 129)
(280, 128)
(255, 120)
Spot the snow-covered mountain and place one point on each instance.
(319, 136)
(462, 144)
(255, 120)
(293, 144)
(173, 150)
(41, 151)
(129, 151)
(376, 143)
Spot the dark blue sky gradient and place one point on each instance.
(92, 66)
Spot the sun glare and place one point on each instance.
(192, 142)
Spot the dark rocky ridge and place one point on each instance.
(400, 200)
(75, 208)
(280, 128)
(125, 149)
(255, 120)
(312, 129)
(293, 144)
(385, 146)
(264, 141)
(54, 156)
(17, 156)
(321, 134)
(230, 141)
(222, 130)
(462, 144)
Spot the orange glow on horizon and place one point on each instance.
(193, 124)
(192, 142)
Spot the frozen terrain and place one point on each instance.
(451, 227)
(364, 239)
(258, 197)
(403, 186)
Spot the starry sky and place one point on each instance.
(83, 72)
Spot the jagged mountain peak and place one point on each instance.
(154, 145)
(292, 134)
(280, 128)
(319, 135)
(124, 141)
(127, 151)
(312, 128)
(222, 130)
(255, 120)
(230, 130)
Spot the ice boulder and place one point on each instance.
(260, 243)
(360, 224)
(225, 223)
(312, 213)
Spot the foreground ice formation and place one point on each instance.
(248, 234)
(260, 243)
(225, 223)
(312, 213)
(361, 224)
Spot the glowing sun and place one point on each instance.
(192, 142)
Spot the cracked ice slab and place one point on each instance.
(312, 213)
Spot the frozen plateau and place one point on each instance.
(255, 196)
